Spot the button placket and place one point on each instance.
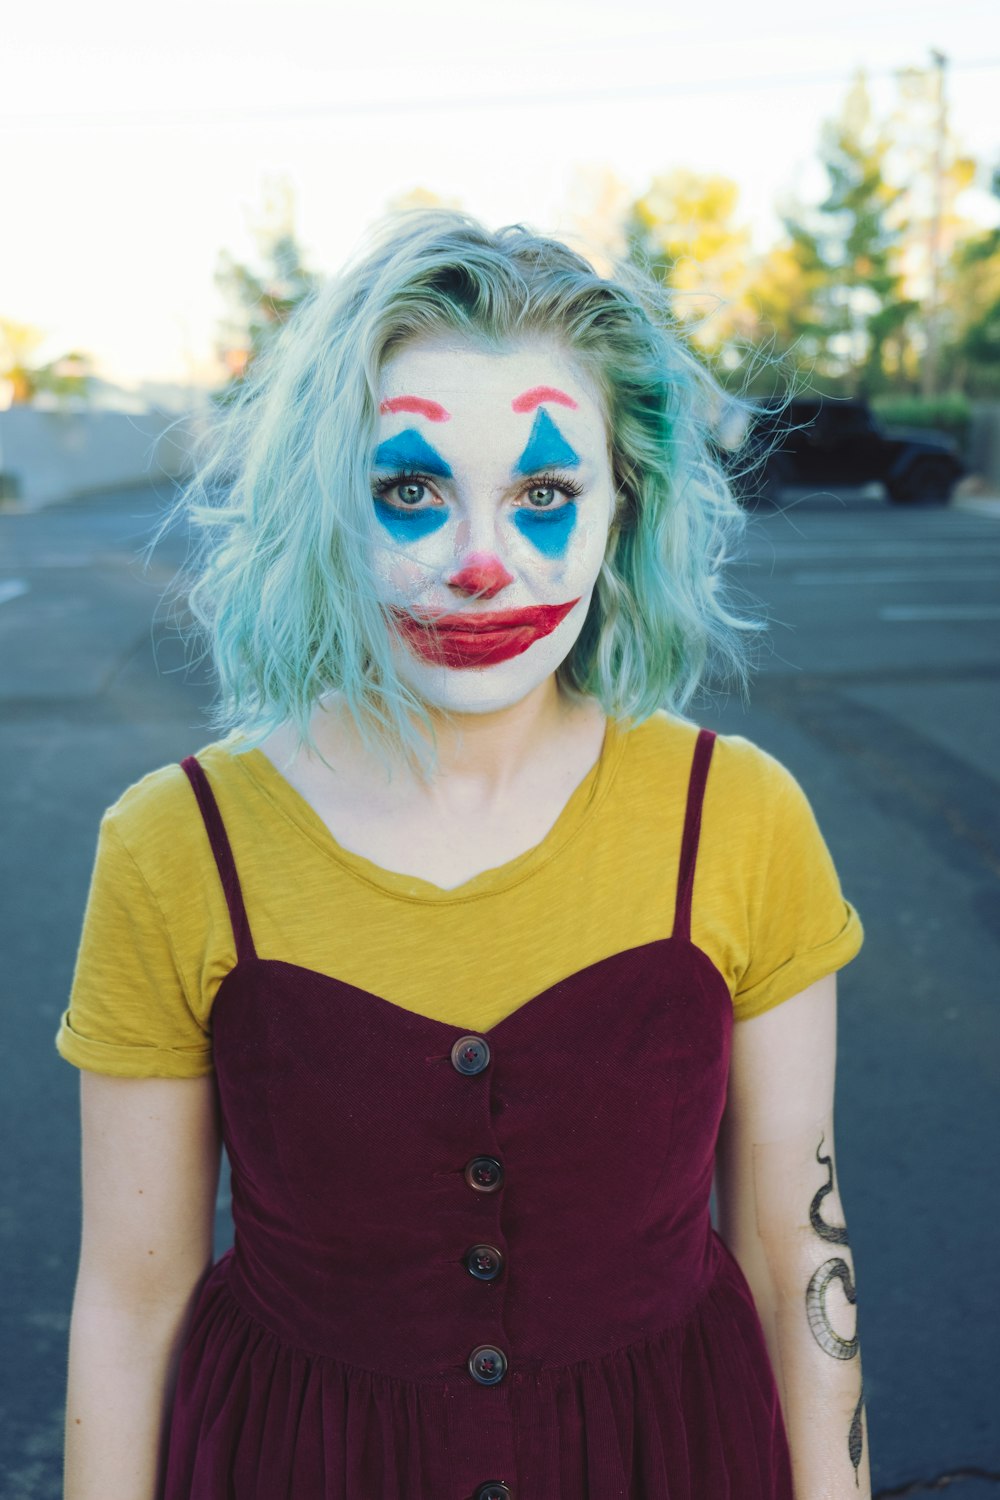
(484, 1174)
(471, 1055)
(487, 1364)
(485, 1262)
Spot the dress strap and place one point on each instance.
(700, 763)
(219, 840)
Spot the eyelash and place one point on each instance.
(568, 487)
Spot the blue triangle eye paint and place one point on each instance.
(547, 530)
(547, 448)
(409, 450)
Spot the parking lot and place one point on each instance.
(877, 687)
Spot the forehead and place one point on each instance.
(468, 381)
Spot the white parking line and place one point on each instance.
(820, 551)
(940, 612)
(12, 588)
(899, 575)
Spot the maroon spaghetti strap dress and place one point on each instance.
(475, 1265)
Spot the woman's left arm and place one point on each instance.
(781, 1216)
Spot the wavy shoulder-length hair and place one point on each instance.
(282, 583)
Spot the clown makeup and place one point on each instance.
(493, 492)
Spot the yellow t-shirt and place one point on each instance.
(157, 938)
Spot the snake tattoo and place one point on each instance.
(834, 1269)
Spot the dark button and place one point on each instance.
(484, 1173)
(487, 1365)
(494, 1489)
(470, 1054)
(484, 1261)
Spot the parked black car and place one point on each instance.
(825, 442)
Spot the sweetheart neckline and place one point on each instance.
(415, 1018)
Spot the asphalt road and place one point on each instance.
(877, 688)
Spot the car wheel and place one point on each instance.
(926, 480)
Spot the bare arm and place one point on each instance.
(150, 1169)
(780, 1214)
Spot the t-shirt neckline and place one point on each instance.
(581, 805)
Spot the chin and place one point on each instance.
(486, 690)
(481, 701)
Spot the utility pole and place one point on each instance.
(928, 382)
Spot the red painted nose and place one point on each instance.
(483, 574)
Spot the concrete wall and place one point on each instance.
(54, 455)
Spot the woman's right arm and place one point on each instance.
(151, 1151)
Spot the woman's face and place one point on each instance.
(494, 497)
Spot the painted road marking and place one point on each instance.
(898, 575)
(940, 612)
(12, 588)
(819, 551)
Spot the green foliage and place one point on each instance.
(981, 340)
(68, 376)
(853, 300)
(950, 412)
(262, 299)
(851, 243)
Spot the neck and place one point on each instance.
(491, 750)
(478, 755)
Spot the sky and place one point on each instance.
(137, 144)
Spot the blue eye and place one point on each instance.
(410, 484)
(543, 489)
(411, 519)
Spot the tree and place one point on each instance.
(27, 377)
(927, 161)
(848, 246)
(264, 297)
(973, 279)
(785, 290)
(684, 229)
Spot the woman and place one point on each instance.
(447, 938)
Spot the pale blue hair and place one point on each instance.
(282, 584)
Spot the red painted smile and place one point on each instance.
(478, 640)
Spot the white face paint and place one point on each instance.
(494, 498)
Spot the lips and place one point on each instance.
(468, 640)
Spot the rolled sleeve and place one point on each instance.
(128, 1012)
(803, 926)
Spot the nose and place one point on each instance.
(481, 573)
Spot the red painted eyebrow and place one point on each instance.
(528, 400)
(424, 408)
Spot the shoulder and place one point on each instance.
(741, 774)
(748, 777)
(159, 812)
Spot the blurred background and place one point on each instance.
(821, 185)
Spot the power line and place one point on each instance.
(630, 94)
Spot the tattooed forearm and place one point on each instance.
(831, 1232)
(824, 1334)
(855, 1437)
(834, 1269)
